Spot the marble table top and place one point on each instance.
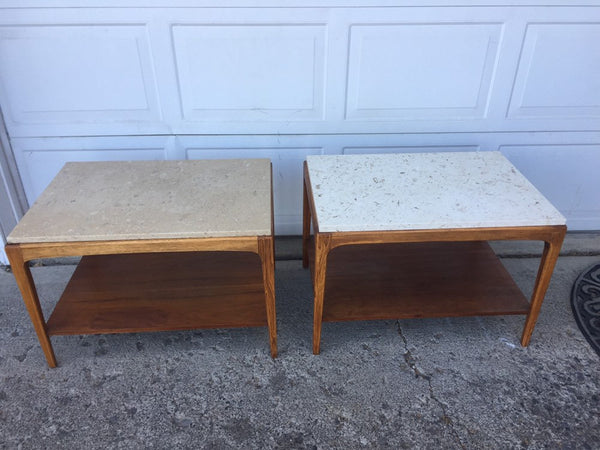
(424, 191)
(94, 201)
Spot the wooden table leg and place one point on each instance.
(305, 227)
(322, 248)
(547, 263)
(267, 257)
(22, 274)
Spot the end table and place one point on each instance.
(165, 245)
(405, 236)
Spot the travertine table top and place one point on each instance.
(424, 191)
(94, 201)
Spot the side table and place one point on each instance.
(405, 236)
(165, 245)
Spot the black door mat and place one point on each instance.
(585, 301)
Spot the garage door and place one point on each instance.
(137, 80)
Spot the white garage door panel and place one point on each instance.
(559, 72)
(131, 71)
(421, 71)
(151, 81)
(567, 175)
(39, 160)
(250, 73)
(77, 74)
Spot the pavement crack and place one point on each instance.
(22, 356)
(411, 361)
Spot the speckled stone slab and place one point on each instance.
(95, 201)
(424, 191)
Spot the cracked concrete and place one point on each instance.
(412, 363)
(460, 383)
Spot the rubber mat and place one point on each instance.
(585, 301)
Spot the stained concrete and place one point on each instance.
(423, 383)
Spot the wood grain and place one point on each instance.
(536, 233)
(22, 273)
(82, 248)
(412, 280)
(547, 263)
(266, 252)
(166, 291)
(323, 246)
(306, 218)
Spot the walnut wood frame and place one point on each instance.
(325, 242)
(20, 254)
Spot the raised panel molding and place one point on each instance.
(559, 72)
(250, 72)
(282, 70)
(279, 78)
(421, 70)
(76, 74)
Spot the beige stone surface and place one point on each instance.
(91, 201)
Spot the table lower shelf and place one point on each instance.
(411, 280)
(161, 291)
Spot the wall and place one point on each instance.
(12, 197)
(286, 79)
